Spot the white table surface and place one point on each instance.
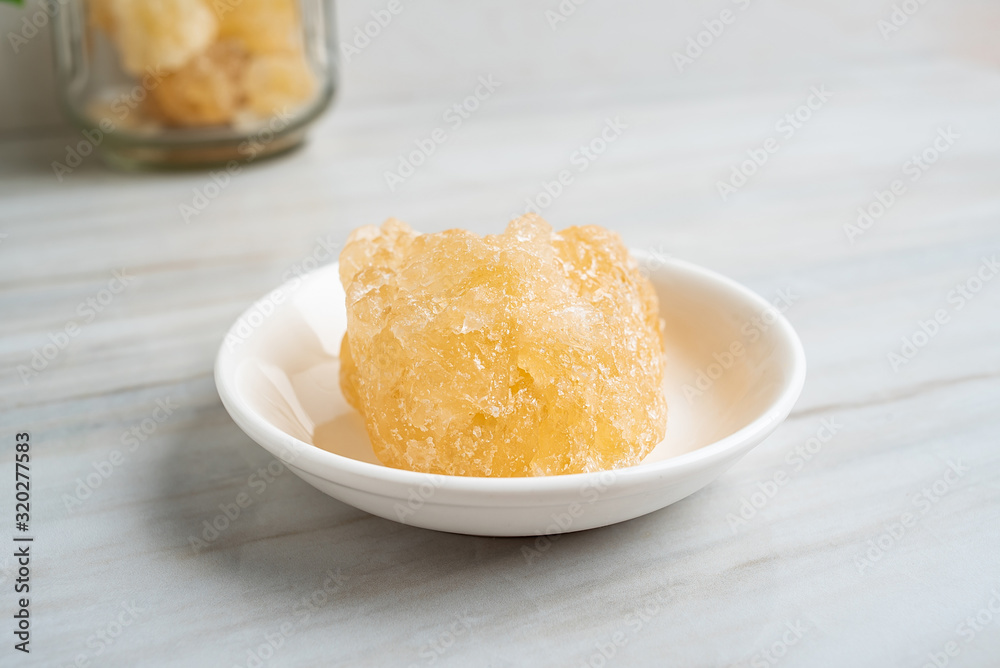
(685, 586)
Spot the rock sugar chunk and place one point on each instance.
(159, 34)
(277, 83)
(264, 26)
(520, 354)
(206, 91)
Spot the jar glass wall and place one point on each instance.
(187, 83)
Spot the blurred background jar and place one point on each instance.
(189, 83)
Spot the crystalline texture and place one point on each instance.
(525, 353)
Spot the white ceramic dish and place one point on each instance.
(277, 375)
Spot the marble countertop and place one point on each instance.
(880, 548)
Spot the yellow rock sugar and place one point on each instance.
(277, 83)
(264, 26)
(525, 353)
(158, 34)
(206, 91)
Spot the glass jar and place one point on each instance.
(189, 83)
